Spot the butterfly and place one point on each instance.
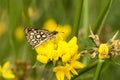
(36, 37)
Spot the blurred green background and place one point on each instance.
(15, 15)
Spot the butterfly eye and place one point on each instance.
(36, 37)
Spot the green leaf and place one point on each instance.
(37, 64)
(49, 65)
(97, 27)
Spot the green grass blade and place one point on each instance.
(77, 18)
(14, 14)
(85, 18)
(97, 27)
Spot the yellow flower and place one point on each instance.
(63, 31)
(2, 28)
(19, 33)
(6, 71)
(62, 72)
(65, 71)
(103, 51)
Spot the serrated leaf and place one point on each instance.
(49, 65)
(37, 64)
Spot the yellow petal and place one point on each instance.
(74, 71)
(73, 50)
(60, 72)
(77, 65)
(67, 71)
(62, 48)
(42, 58)
(72, 42)
(67, 74)
(60, 75)
(66, 57)
(55, 56)
(49, 49)
(75, 57)
(73, 46)
(39, 49)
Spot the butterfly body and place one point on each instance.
(36, 37)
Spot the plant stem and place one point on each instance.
(89, 67)
(98, 70)
(85, 18)
(77, 18)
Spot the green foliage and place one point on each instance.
(49, 65)
(37, 64)
(103, 16)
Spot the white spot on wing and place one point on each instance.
(38, 36)
(44, 36)
(32, 33)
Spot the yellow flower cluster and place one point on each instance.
(6, 71)
(63, 54)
